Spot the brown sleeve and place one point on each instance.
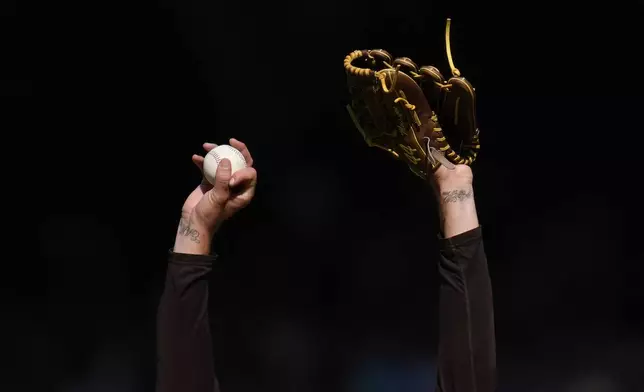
(184, 349)
(467, 346)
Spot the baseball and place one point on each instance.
(214, 156)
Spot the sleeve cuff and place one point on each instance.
(460, 239)
(185, 258)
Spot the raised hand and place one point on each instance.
(208, 206)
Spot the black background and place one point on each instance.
(329, 277)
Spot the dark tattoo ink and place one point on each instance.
(186, 230)
(456, 196)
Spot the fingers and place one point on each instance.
(198, 161)
(246, 177)
(221, 190)
(209, 146)
(243, 149)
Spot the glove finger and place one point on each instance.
(431, 83)
(465, 115)
(458, 118)
(381, 55)
(406, 65)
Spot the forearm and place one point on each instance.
(457, 208)
(191, 238)
(467, 348)
(185, 358)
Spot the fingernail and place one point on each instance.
(232, 181)
(225, 163)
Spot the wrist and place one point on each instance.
(459, 178)
(457, 209)
(192, 238)
(453, 191)
(454, 183)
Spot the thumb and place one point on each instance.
(221, 191)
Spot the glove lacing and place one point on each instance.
(434, 155)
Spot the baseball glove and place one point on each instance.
(411, 112)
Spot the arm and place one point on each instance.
(184, 345)
(467, 348)
(185, 359)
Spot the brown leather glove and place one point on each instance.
(412, 112)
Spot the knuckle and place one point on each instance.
(250, 173)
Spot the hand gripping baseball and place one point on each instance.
(209, 205)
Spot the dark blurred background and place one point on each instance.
(327, 282)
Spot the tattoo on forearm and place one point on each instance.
(456, 195)
(186, 230)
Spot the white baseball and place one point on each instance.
(214, 156)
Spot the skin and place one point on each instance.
(455, 194)
(208, 206)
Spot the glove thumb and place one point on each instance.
(220, 192)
